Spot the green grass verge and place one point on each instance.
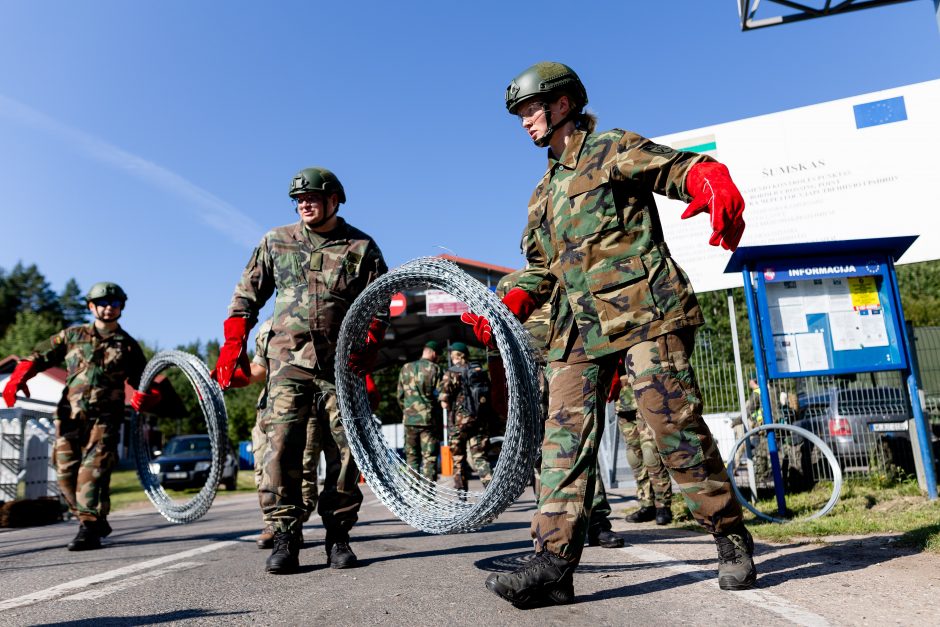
(126, 492)
(863, 508)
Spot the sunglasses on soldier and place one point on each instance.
(105, 302)
(530, 109)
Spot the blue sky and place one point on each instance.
(153, 144)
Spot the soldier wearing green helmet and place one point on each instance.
(100, 357)
(314, 268)
(594, 239)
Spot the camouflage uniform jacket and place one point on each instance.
(417, 392)
(97, 369)
(594, 234)
(316, 278)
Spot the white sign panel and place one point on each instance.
(856, 168)
(440, 303)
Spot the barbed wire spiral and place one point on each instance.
(415, 499)
(212, 405)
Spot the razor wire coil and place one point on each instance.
(415, 499)
(212, 405)
(811, 437)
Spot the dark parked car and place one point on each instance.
(862, 426)
(185, 462)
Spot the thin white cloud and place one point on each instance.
(214, 211)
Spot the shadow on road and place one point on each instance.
(149, 619)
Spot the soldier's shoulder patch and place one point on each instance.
(657, 149)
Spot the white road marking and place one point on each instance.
(129, 582)
(760, 598)
(71, 586)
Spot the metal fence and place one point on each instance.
(864, 418)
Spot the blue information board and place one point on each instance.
(828, 315)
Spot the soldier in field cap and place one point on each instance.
(314, 268)
(417, 396)
(594, 238)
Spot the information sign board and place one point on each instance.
(828, 316)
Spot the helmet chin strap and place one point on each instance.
(325, 219)
(542, 141)
(99, 316)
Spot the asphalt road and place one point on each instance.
(209, 572)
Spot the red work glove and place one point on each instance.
(362, 360)
(145, 401)
(373, 393)
(712, 190)
(616, 384)
(234, 352)
(239, 379)
(24, 371)
(517, 301)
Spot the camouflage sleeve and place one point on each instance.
(401, 388)
(136, 365)
(373, 267)
(51, 352)
(436, 382)
(444, 387)
(535, 278)
(659, 167)
(255, 286)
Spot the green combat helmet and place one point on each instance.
(543, 79)
(316, 180)
(105, 289)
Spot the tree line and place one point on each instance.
(31, 311)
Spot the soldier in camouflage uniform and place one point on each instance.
(316, 267)
(653, 484)
(417, 396)
(468, 433)
(100, 358)
(600, 532)
(594, 234)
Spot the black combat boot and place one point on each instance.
(644, 514)
(266, 537)
(546, 579)
(284, 558)
(663, 515)
(87, 538)
(598, 536)
(736, 570)
(338, 553)
(104, 529)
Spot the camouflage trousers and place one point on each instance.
(476, 444)
(302, 408)
(653, 484)
(669, 400)
(85, 454)
(422, 446)
(308, 488)
(600, 508)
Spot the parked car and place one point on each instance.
(862, 425)
(185, 462)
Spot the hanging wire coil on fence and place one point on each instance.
(827, 453)
(213, 408)
(414, 499)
